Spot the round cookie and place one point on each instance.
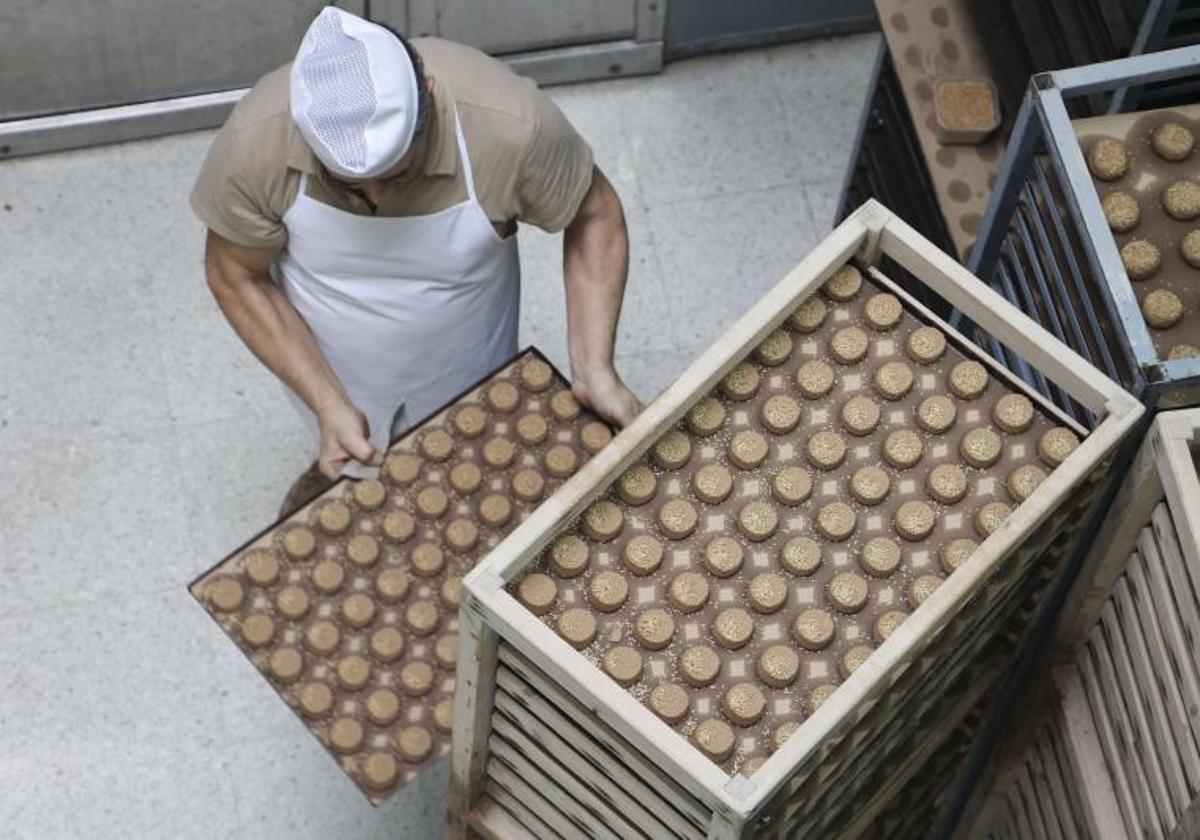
(990, 517)
(465, 478)
(860, 415)
(921, 588)
(595, 436)
(603, 520)
(462, 534)
(416, 678)
(767, 592)
(903, 448)
(316, 699)
(677, 518)
(358, 610)
(1141, 258)
(778, 666)
(688, 592)
(402, 468)
(825, 450)
(968, 380)
(848, 592)
(225, 594)
(742, 382)
(808, 316)
(499, 452)
(893, 380)
(578, 626)
(560, 460)
(712, 483)
(1181, 199)
(327, 576)
(437, 445)
(706, 417)
(882, 311)
(608, 591)
(495, 510)
(814, 379)
(813, 629)
(527, 485)
(936, 414)
(914, 520)
(946, 483)
(780, 414)
(1013, 413)
(421, 617)
(432, 501)
(870, 485)
(369, 493)
(443, 715)
(800, 556)
(669, 701)
(1121, 211)
(1172, 141)
(653, 628)
(391, 585)
(362, 550)
(981, 447)
(880, 557)
(714, 738)
(399, 526)
(538, 592)
(844, 284)
(783, 732)
(853, 659)
(1023, 481)
(925, 345)
(748, 449)
(642, 554)
(536, 375)
(817, 697)
(379, 771)
(887, 623)
(775, 349)
(292, 602)
(1183, 351)
(322, 637)
(503, 397)
(564, 406)
(699, 665)
(1162, 309)
(353, 672)
(757, 520)
(791, 486)
(837, 521)
(427, 560)
(1108, 159)
(333, 517)
(470, 421)
(532, 429)
(445, 651)
(387, 644)
(623, 664)
(637, 485)
(285, 664)
(849, 345)
(1056, 444)
(414, 744)
(451, 591)
(955, 553)
(723, 556)
(744, 704)
(732, 628)
(257, 630)
(345, 735)
(298, 542)
(1189, 248)
(672, 450)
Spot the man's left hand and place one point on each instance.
(604, 393)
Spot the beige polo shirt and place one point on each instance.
(529, 163)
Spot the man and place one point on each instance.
(362, 205)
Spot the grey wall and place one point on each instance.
(700, 26)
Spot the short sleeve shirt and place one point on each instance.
(529, 163)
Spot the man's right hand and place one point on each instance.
(345, 435)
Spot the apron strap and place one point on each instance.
(464, 157)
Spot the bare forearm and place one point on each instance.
(273, 330)
(595, 267)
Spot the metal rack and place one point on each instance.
(1045, 244)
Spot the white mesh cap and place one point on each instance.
(354, 94)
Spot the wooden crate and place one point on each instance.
(1126, 684)
(590, 748)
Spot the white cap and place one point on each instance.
(354, 94)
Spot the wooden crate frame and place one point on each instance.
(984, 602)
(1164, 471)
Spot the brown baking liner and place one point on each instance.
(414, 711)
(1147, 177)
(920, 558)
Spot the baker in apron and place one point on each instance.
(374, 321)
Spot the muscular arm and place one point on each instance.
(595, 267)
(278, 336)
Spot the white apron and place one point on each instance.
(408, 311)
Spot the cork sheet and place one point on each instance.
(349, 606)
(733, 578)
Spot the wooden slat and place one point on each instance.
(1044, 794)
(1058, 781)
(502, 778)
(1033, 807)
(1181, 575)
(499, 816)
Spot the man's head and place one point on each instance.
(358, 95)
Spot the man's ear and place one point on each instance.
(429, 83)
